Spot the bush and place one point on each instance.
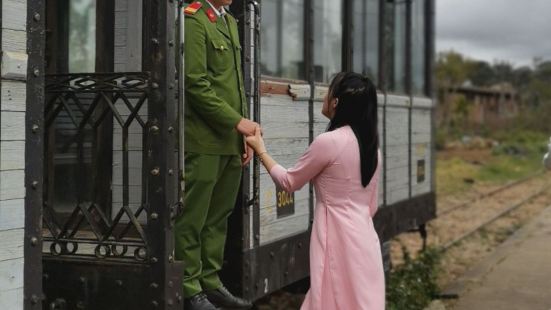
(412, 286)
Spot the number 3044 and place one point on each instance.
(284, 199)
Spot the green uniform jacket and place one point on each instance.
(214, 93)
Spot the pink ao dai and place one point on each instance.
(346, 267)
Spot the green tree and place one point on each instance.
(482, 74)
(452, 69)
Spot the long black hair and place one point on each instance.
(357, 107)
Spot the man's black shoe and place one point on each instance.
(198, 302)
(222, 298)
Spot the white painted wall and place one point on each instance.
(12, 152)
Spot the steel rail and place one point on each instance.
(491, 193)
(494, 218)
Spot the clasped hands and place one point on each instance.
(252, 133)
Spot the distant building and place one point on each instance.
(491, 106)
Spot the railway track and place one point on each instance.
(490, 193)
(496, 217)
(461, 221)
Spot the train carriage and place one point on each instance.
(104, 96)
(302, 45)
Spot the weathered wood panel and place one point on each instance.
(285, 125)
(11, 244)
(397, 148)
(320, 121)
(12, 151)
(14, 15)
(11, 299)
(276, 231)
(14, 65)
(12, 126)
(13, 96)
(269, 215)
(13, 155)
(12, 214)
(12, 184)
(14, 40)
(11, 269)
(11, 274)
(397, 156)
(422, 147)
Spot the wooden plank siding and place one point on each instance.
(285, 126)
(397, 144)
(12, 152)
(421, 144)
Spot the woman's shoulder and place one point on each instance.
(332, 139)
(326, 138)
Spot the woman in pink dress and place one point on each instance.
(346, 269)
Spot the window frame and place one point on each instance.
(57, 55)
(302, 80)
(347, 47)
(380, 40)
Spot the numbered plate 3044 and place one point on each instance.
(285, 203)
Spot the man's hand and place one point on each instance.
(256, 142)
(246, 127)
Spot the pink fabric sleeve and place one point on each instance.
(320, 154)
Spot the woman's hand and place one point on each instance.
(256, 141)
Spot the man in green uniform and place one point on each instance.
(215, 123)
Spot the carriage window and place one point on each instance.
(395, 45)
(418, 47)
(328, 28)
(82, 35)
(283, 38)
(366, 38)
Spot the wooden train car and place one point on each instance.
(101, 104)
(298, 46)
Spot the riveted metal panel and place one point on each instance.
(34, 144)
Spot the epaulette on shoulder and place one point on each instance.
(193, 8)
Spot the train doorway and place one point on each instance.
(110, 168)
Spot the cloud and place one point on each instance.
(510, 30)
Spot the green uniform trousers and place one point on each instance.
(211, 187)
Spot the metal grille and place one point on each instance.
(95, 127)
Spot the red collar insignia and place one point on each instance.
(193, 8)
(212, 15)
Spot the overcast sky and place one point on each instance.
(511, 30)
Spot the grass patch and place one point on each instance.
(451, 175)
(519, 154)
(506, 168)
(412, 285)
